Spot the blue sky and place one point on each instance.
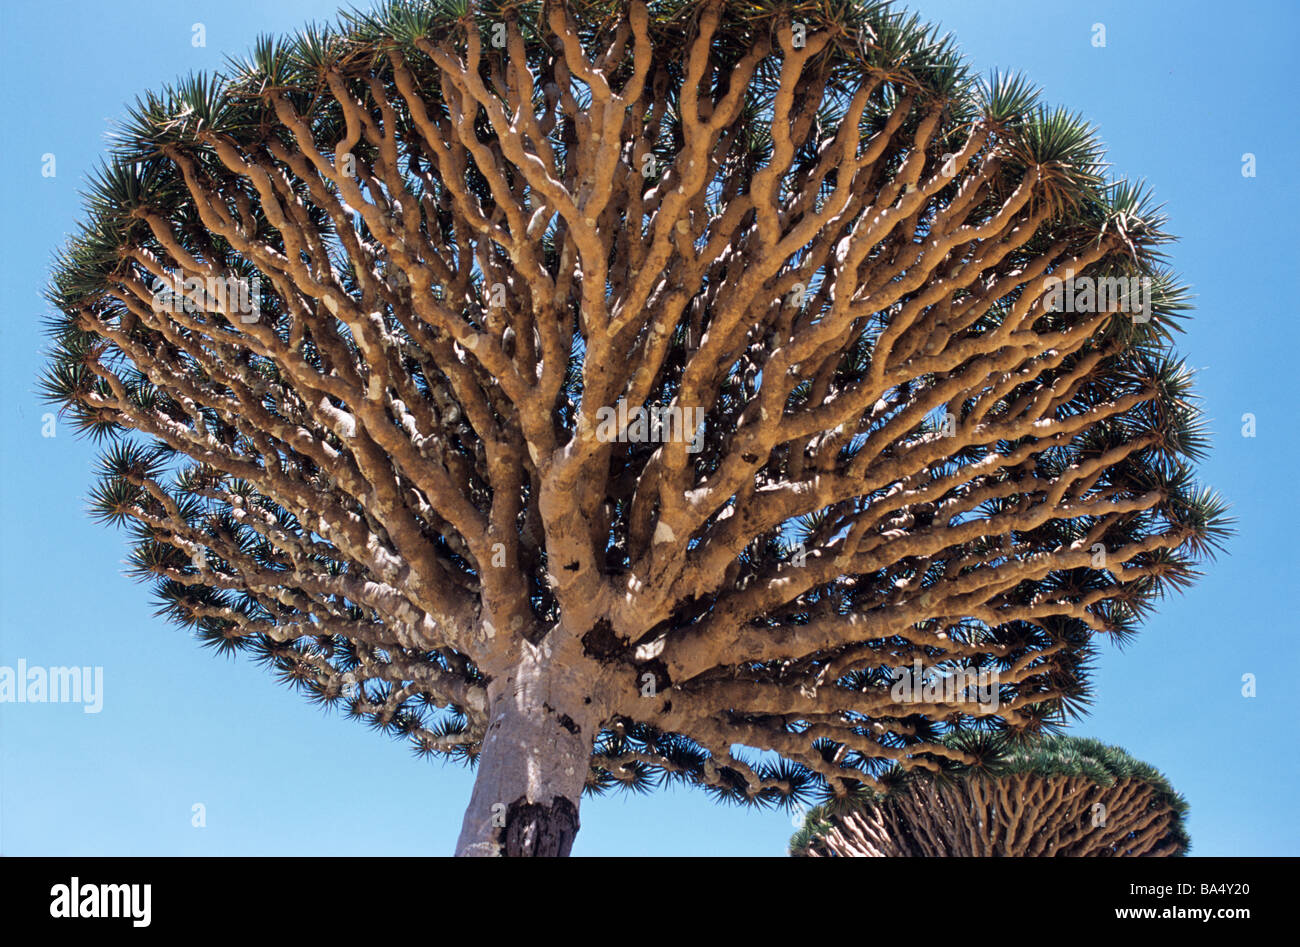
(1180, 92)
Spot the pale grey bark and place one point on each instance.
(542, 722)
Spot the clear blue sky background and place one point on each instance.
(1180, 92)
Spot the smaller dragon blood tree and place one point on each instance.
(1055, 796)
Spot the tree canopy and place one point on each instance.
(350, 318)
(1046, 796)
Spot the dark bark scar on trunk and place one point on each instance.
(565, 720)
(601, 641)
(533, 830)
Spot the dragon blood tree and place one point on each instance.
(586, 389)
(1052, 796)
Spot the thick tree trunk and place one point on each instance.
(534, 761)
